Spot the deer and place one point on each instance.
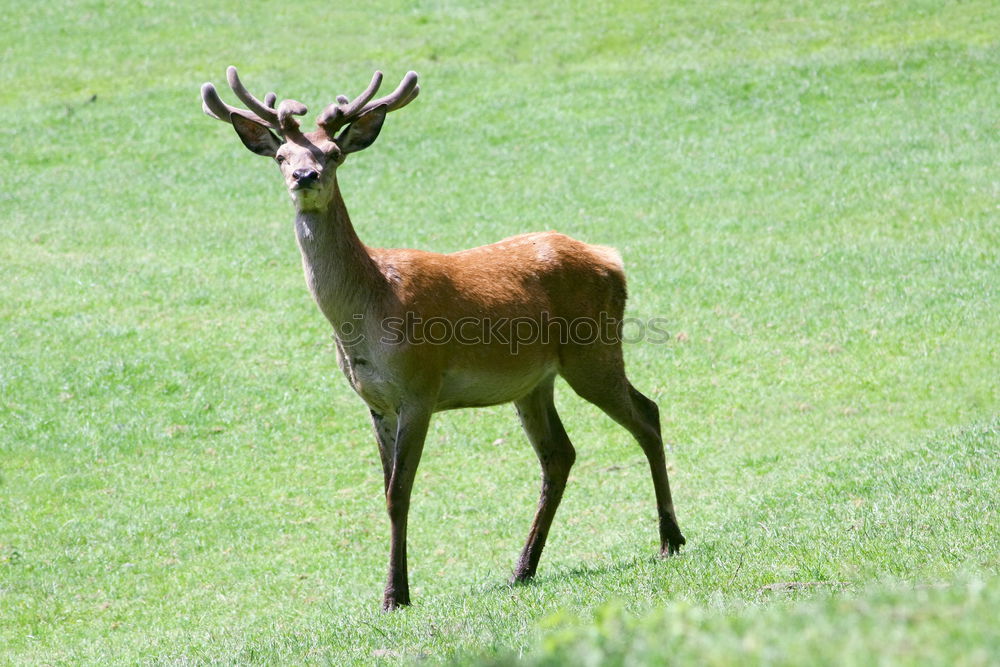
(391, 308)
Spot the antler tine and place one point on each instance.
(397, 99)
(286, 110)
(267, 113)
(341, 112)
(260, 108)
(213, 105)
(409, 98)
(344, 110)
(361, 100)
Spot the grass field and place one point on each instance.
(806, 192)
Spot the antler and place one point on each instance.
(278, 118)
(343, 111)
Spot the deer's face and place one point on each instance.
(308, 166)
(309, 162)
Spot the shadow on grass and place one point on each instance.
(581, 574)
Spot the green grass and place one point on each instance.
(901, 624)
(807, 193)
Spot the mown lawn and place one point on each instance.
(806, 193)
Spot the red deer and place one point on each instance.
(413, 328)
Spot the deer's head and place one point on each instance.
(308, 160)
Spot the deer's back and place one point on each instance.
(521, 276)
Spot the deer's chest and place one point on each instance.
(367, 379)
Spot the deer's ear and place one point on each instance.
(255, 136)
(363, 131)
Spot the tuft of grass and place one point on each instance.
(805, 194)
(901, 623)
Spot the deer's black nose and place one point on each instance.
(305, 176)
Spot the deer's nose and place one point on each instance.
(305, 176)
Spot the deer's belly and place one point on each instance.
(475, 388)
(465, 380)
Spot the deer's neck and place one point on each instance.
(341, 274)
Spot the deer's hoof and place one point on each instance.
(671, 539)
(673, 545)
(671, 549)
(392, 601)
(521, 578)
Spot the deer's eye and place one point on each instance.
(279, 159)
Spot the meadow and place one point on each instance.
(805, 192)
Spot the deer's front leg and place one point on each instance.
(410, 434)
(385, 436)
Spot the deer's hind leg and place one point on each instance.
(544, 429)
(597, 373)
